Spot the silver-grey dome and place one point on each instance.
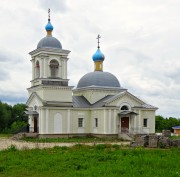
(99, 79)
(49, 42)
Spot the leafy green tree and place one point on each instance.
(18, 113)
(160, 123)
(5, 115)
(12, 117)
(16, 126)
(166, 123)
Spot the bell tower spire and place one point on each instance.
(98, 37)
(98, 57)
(49, 19)
(49, 27)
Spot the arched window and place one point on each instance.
(37, 69)
(35, 108)
(54, 67)
(124, 108)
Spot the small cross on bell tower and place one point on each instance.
(49, 19)
(98, 37)
(49, 27)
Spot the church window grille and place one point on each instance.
(54, 68)
(80, 122)
(96, 122)
(145, 122)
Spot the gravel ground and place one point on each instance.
(7, 142)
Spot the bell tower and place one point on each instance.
(49, 70)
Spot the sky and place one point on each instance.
(139, 38)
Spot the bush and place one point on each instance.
(12, 148)
(116, 146)
(100, 146)
(15, 127)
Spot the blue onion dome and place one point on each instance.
(98, 56)
(49, 41)
(49, 26)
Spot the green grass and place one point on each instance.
(174, 137)
(5, 135)
(71, 140)
(102, 160)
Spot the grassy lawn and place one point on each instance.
(84, 161)
(5, 135)
(175, 137)
(70, 140)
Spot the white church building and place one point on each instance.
(98, 106)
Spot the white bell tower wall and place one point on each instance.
(49, 75)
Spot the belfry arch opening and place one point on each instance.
(54, 68)
(37, 67)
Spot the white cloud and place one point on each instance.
(56, 5)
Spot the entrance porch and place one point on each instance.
(126, 122)
(33, 121)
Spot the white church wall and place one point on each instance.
(41, 121)
(58, 123)
(150, 116)
(54, 121)
(85, 115)
(57, 94)
(94, 95)
(40, 93)
(99, 114)
(134, 123)
(64, 121)
(108, 121)
(116, 121)
(138, 121)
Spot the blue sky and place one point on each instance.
(140, 41)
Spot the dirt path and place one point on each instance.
(7, 142)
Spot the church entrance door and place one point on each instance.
(124, 124)
(35, 124)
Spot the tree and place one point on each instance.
(12, 116)
(5, 115)
(18, 113)
(166, 123)
(160, 123)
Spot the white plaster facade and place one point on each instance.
(55, 109)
